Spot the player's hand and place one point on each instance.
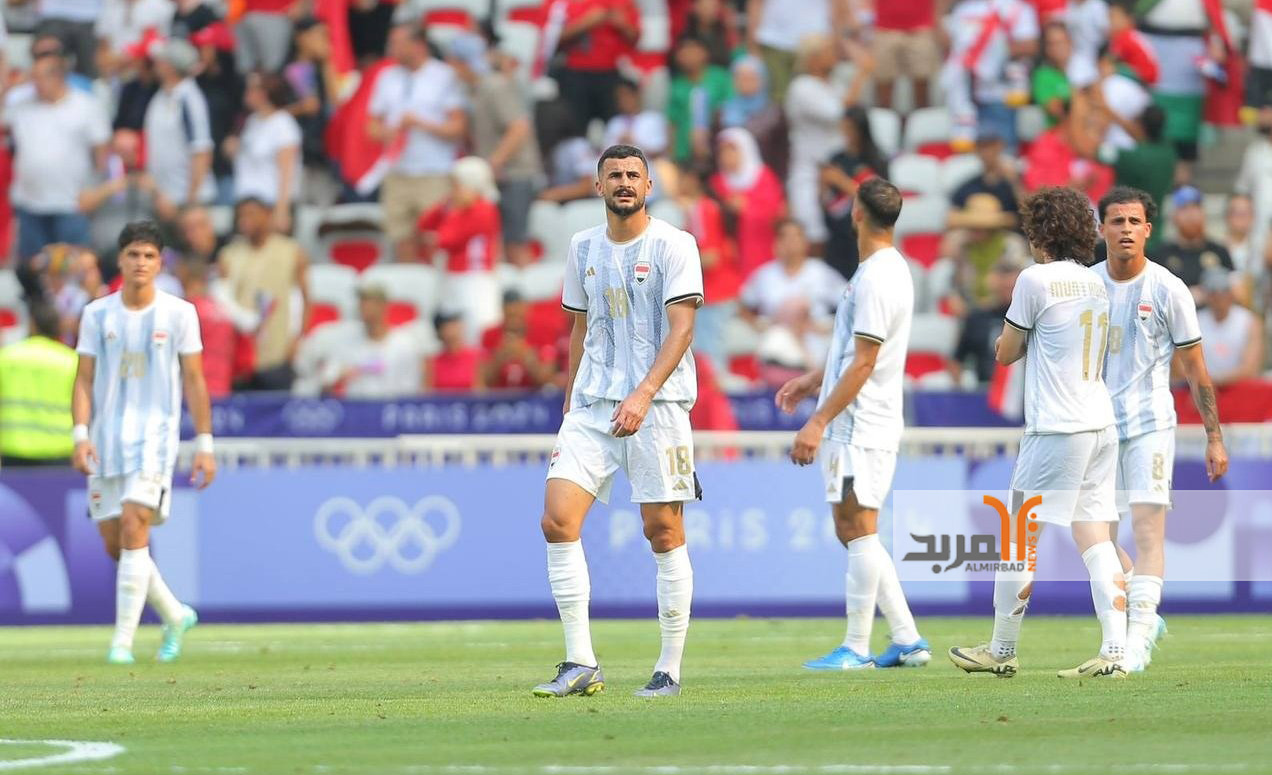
(1216, 459)
(203, 471)
(793, 392)
(807, 441)
(84, 458)
(631, 413)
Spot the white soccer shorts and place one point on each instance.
(107, 495)
(658, 458)
(1075, 473)
(867, 471)
(1144, 467)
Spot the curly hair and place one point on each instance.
(1059, 223)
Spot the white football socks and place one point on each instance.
(1108, 593)
(572, 590)
(892, 602)
(675, 593)
(862, 587)
(1143, 595)
(132, 579)
(1011, 599)
(161, 598)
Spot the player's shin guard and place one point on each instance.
(1011, 599)
(892, 601)
(572, 590)
(1143, 595)
(132, 579)
(861, 591)
(1108, 593)
(161, 598)
(675, 593)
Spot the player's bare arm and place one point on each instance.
(1193, 365)
(203, 470)
(796, 389)
(631, 413)
(1010, 346)
(808, 440)
(577, 334)
(84, 458)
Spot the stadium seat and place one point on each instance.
(12, 308)
(957, 170)
(413, 290)
(932, 340)
(885, 126)
(544, 226)
(420, 10)
(520, 39)
(332, 293)
(918, 276)
(354, 249)
(17, 50)
(575, 217)
(916, 174)
(928, 130)
(305, 231)
(539, 282)
(920, 227)
(655, 34)
(669, 211)
(940, 281)
(1031, 121)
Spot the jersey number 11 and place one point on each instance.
(1087, 328)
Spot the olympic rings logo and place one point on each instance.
(407, 538)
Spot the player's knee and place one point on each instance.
(664, 537)
(556, 529)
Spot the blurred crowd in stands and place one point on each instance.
(372, 199)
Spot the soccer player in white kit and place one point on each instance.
(633, 285)
(857, 427)
(137, 348)
(1152, 318)
(1058, 321)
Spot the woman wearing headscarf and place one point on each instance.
(752, 108)
(858, 161)
(751, 195)
(466, 227)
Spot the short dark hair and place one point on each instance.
(1057, 220)
(415, 31)
(250, 200)
(881, 201)
(45, 320)
(141, 231)
(621, 152)
(782, 223)
(624, 82)
(277, 90)
(1125, 195)
(1153, 119)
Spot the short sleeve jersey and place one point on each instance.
(1063, 307)
(625, 289)
(1149, 316)
(878, 304)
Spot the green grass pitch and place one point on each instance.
(453, 698)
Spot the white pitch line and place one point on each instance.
(76, 751)
(825, 769)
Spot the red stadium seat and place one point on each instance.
(924, 248)
(454, 17)
(321, 313)
(355, 253)
(919, 363)
(745, 366)
(8, 318)
(402, 312)
(531, 14)
(940, 151)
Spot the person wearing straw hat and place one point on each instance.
(466, 228)
(981, 236)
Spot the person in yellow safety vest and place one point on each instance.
(36, 377)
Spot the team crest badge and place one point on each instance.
(556, 454)
(1145, 310)
(160, 338)
(641, 271)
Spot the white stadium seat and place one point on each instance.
(916, 173)
(544, 225)
(940, 280)
(334, 285)
(922, 215)
(521, 41)
(1031, 121)
(918, 276)
(416, 284)
(933, 333)
(958, 169)
(885, 127)
(669, 211)
(927, 125)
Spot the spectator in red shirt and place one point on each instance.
(1065, 156)
(455, 368)
(752, 197)
(220, 341)
(514, 363)
(597, 34)
(720, 280)
(905, 44)
(466, 228)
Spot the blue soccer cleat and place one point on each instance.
(842, 658)
(917, 654)
(1160, 632)
(173, 634)
(118, 655)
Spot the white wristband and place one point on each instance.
(79, 433)
(203, 443)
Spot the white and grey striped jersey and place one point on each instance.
(136, 417)
(625, 288)
(877, 305)
(1149, 316)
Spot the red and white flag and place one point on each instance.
(1007, 390)
(370, 180)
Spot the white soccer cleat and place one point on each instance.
(1096, 667)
